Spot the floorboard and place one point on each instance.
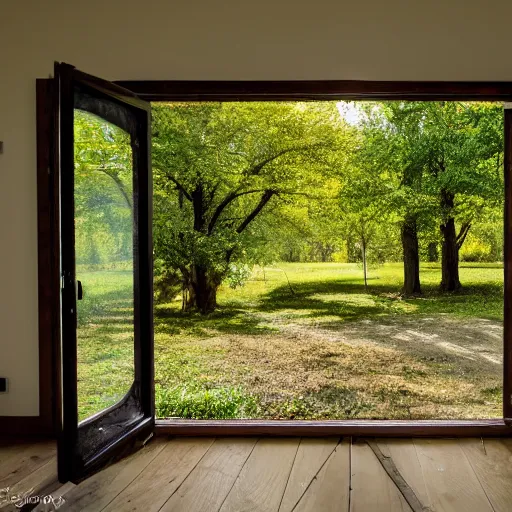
(404, 455)
(162, 476)
(98, 491)
(37, 483)
(311, 456)
(18, 462)
(209, 483)
(491, 459)
(329, 491)
(451, 483)
(262, 481)
(274, 475)
(371, 487)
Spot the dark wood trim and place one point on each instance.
(46, 424)
(20, 427)
(48, 258)
(507, 265)
(167, 90)
(362, 428)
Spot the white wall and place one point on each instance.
(203, 40)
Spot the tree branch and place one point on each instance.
(226, 201)
(256, 169)
(180, 187)
(119, 183)
(265, 198)
(463, 233)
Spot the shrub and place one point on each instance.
(475, 251)
(197, 402)
(238, 275)
(167, 284)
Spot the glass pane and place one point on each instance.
(104, 262)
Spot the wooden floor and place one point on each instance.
(274, 474)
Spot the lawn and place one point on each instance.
(307, 341)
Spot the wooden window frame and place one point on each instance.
(162, 90)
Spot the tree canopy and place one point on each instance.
(224, 172)
(239, 184)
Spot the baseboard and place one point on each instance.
(25, 426)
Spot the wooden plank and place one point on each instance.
(160, 479)
(261, 483)
(403, 453)
(18, 461)
(38, 483)
(372, 489)
(492, 462)
(311, 455)
(100, 489)
(330, 490)
(9, 450)
(211, 480)
(57, 500)
(451, 482)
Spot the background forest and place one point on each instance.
(313, 236)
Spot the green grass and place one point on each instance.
(193, 401)
(276, 350)
(105, 339)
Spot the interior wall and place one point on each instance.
(203, 40)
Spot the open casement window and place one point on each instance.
(103, 155)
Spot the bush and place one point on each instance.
(238, 275)
(197, 402)
(167, 285)
(475, 251)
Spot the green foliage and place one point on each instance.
(196, 402)
(237, 275)
(103, 192)
(226, 174)
(239, 184)
(433, 146)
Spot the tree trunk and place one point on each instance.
(205, 287)
(450, 251)
(433, 252)
(411, 257)
(189, 297)
(365, 268)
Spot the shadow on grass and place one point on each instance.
(115, 306)
(170, 320)
(351, 302)
(341, 299)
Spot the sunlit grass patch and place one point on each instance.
(197, 402)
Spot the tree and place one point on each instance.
(390, 133)
(364, 200)
(461, 149)
(448, 157)
(220, 168)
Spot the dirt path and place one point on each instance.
(395, 367)
(474, 343)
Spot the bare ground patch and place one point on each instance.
(398, 367)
